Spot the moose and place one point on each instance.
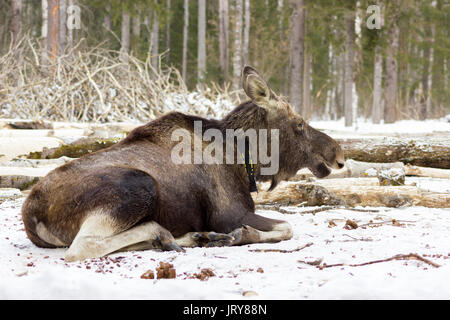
(132, 196)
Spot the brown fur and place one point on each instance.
(135, 181)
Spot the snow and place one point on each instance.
(364, 126)
(28, 272)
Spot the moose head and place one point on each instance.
(300, 145)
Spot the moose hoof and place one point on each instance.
(169, 245)
(213, 239)
(219, 243)
(172, 246)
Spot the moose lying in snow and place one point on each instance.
(132, 196)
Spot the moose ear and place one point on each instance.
(254, 85)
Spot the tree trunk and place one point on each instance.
(201, 58)
(349, 56)
(307, 87)
(373, 150)
(136, 27)
(136, 32)
(168, 22)
(125, 36)
(62, 26)
(359, 169)
(53, 28)
(224, 38)
(154, 41)
(377, 90)
(44, 29)
(185, 40)
(425, 72)
(246, 31)
(297, 54)
(107, 18)
(350, 192)
(340, 94)
(237, 50)
(16, 20)
(391, 86)
(282, 73)
(70, 30)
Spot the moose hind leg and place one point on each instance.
(98, 237)
(258, 229)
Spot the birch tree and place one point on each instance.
(201, 57)
(168, 23)
(70, 30)
(246, 31)
(107, 18)
(185, 40)
(237, 49)
(224, 38)
(62, 26)
(306, 75)
(377, 89)
(349, 56)
(391, 84)
(16, 20)
(425, 103)
(154, 41)
(125, 35)
(44, 28)
(297, 53)
(307, 86)
(377, 80)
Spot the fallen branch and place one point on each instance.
(356, 239)
(281, 210)
(411, 256)
(394, 222)
(429, 153)
(283, 251)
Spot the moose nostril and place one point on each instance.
(340, 165)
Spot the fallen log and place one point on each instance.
(22, 177)
(427, 172)
(359, 169)
(432, 154)
(350, 192)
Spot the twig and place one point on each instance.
(356, 239)
(362, 210)
(393, 221)
(283, 251)
(411, 256)
(278, 208)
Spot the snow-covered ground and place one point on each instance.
(28, 272)
(363, 126)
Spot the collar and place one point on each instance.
(249, 168)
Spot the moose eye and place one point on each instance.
(300, 126)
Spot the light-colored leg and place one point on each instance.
(98, 236)
(187, 240)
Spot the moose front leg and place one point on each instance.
(205, 239)
(253, 229)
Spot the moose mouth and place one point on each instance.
(323, 168)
